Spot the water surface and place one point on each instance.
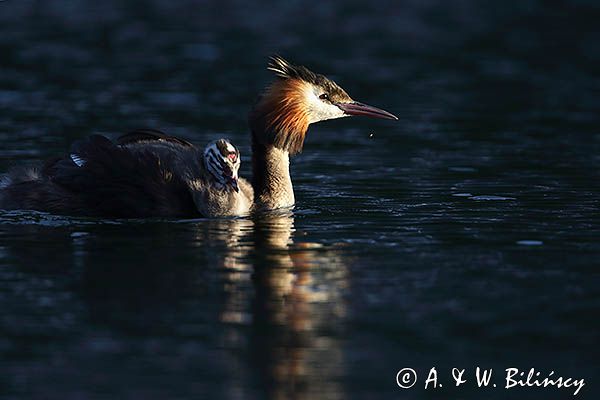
(463, 235)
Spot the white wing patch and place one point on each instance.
(5, 181)
(80, 162)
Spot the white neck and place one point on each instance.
(271, 177)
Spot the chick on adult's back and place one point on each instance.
(222, 192)
(144, 174)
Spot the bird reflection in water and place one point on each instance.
(294, 311)
(251, 299)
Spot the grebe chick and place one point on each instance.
(146, 173)
(222, 193)
(149, 174)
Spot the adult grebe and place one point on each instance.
(144, 174)
(147, 173)
(279, 122)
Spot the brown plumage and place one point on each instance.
(282, 118)
(282, 115)
(145, 174)
(279, 122)
(149, 174)
(285, 70)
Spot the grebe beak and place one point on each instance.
(356, 108)
(233, 181)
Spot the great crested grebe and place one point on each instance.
(279, 122)
(144, 174)
(149, 174)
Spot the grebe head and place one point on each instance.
(222, 161)
(298, 98)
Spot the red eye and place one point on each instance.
(232, 156)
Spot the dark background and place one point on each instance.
(463, 235)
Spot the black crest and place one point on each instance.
(286, 70)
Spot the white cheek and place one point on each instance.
(320, 110)
(324, 111)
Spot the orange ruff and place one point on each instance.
(287, 118)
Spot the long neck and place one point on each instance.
(278, 122)
(271, 176)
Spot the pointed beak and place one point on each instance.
(356, 108)
(233, 181)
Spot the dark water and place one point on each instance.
(464, 235)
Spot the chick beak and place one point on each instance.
(233, 181)
(356, 108)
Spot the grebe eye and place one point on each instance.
(324, 96)
(232, 156)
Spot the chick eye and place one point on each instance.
(324, 96)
